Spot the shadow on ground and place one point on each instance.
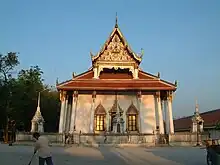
(182, 155)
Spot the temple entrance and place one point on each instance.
(118, 128)
(116, 119)
(113, 114)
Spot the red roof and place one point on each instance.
(117, 81)
(210, 119)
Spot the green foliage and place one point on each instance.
(217, 126)
(18, 96)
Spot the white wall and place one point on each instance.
(148, 114)
(84, 104)
(83, 111)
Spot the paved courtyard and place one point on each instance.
(20, 155)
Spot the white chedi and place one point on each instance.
(37, 122)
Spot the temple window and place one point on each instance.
(100, 122)
(132, 122)
(100, 115)
(132, 118)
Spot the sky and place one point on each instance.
(181, 40)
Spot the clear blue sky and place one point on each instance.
(181, 39)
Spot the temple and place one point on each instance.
(115, 95)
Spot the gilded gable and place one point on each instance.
(116, 51)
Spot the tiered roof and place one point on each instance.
(116, 51)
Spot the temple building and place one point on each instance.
(115, 95)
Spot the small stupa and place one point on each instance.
(37, 123)
(197, 121)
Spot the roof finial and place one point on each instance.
(197, 106)
(142, 52)
(116, 21)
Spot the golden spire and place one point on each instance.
(116, 21)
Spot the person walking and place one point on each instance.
(42, 147)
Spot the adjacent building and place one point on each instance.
(211, 119)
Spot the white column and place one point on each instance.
(160, 115)
(136, 73)
(170, 114)
(62, 99)
(125, 120)
(166, 111)
(72, 122)
(65, 114)
(140, 113)
(156, 113)
(91, 126)
(95, 72)
(68, 118)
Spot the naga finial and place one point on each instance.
(158, 74)
(73, 74)
(91, 55)
(116, 21)
(142, 53)
(57, 81)
(176, 83)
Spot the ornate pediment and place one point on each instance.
(116, 51)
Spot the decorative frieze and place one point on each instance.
(170, 96)
(62, 95)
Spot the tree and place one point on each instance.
(18, 95)
(7, 65)
(50, 108)
(24, 95)
(24, 100)
(217, 126)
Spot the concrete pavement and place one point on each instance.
(20, 155)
